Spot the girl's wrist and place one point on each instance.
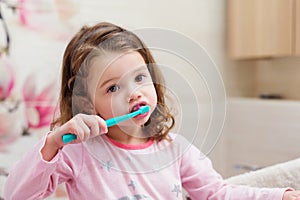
(51, 147)
(53, 141)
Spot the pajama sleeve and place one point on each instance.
(34, 178)
(201, 181)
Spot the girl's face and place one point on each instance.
(124, 85)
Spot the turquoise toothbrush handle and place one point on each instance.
(116, 120)
(69, 137)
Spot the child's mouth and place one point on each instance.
(137, 107)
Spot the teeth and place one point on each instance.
(135, 108)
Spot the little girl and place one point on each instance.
(107, 71)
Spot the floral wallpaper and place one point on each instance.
(31, 31)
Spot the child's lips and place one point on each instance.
(141, 115)
(137, 107)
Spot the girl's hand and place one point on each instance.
(291, 195)
(82, 125)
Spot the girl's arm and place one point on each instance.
(32, 177)
(291, 195)
(201, 181)
(52, 162)
(50, 149)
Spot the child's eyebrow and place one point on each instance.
(108, 81)
(141, 68)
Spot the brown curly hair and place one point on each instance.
(85, 45)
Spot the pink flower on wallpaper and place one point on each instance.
(7, 80)
(40, 106)
(49, 17)
(11, 111)
(12, 122)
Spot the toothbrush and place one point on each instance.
(69, 137)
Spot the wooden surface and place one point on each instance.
(259, 28)
(297, 28)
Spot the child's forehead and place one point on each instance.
(115, 64)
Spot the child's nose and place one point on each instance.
(134, 95)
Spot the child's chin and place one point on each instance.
(132, 124)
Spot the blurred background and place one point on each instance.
(254, 44)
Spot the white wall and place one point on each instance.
(201, 20)
(260, 133)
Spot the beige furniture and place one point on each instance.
(258, 29)
(297, 28)
(259, 133)
(286, 174)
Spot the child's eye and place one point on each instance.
(113, 88)
(139, 78)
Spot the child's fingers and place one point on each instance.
(95, 125)
(292, 195)
(102, 125)
(83, 130)
(92, 123)
(84, 127)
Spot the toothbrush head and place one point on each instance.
(144, 109)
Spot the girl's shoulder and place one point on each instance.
(177, 139)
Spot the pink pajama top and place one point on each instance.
(107, 170)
